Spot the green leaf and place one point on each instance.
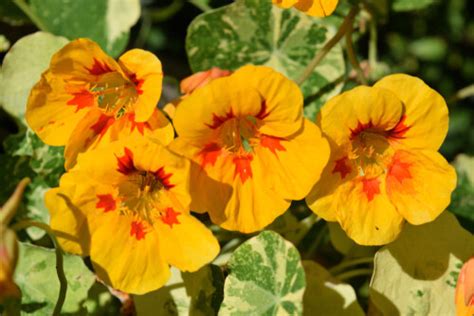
(327, 296)
(410, 5)
(347, 246)
(39, 284)
(462, 199)
(107, 22)
(11, 14)
(417, 273)
(429, 48)
(186, 293)
(257, 32)
(266, 278)
(22, 68)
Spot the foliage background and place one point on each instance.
(434, 43)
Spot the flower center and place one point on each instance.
(115, 95)
(238, 135)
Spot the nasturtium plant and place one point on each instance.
(254, 31)
(36, 276)
(266, 277)
(423, 266)
(236, 157)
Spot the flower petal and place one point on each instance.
(425, 110)
(365, 212)
(319, 8)
(419, 184)
(144, 69)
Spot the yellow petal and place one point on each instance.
(293, 165)
(419, 184)
(361, 107)
(366, 214)
(425, 110)
(319, 8)
(188, 244)
(285, 3)
(145, 68)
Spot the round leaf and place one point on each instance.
(266, 278)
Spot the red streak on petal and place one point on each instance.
(209, 154)
(99, 68)
(137, 82)
(138, 229)
(170, 217)
(125, 162)
(360, 128)
(272, 143)
(107, 202)
(399, 131)
(140, 126)
(399, 170)
(262, 114)
(342, 167)
(82, 100)
(219, 120)
(371, 187)
(242, 167)
(164, 178)
(102, 125)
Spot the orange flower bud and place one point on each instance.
(199, 79)
(8, 260)
(465, 290)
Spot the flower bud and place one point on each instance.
(8, 260)
(465, 290)
(199, 79)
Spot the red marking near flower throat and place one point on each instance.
(262, 114)
(272, 143)
(81, 100)
(399, 170)
(170, 217)
(102, 125)
(399, 131)
(164, 178)
(209, 154)
(125, 162)
(242, 167)
(140, 126)
(360, 128)
(107, 202)
(137, 82)
(99, 68)
(371, 187)
(342, 167)
(138, 229)
(217, 120)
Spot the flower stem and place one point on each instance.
(373, 44)
(29, 13)
(353, 273)
(59, 260)
(352, 56)
(349, 263)
(348, 21)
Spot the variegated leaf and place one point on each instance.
(257, 32)
(266, 278)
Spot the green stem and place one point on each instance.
(349, 263)
(373, 44)
(59, 260)
(352, 56)
(29, 13)
(200, 5)
(162, 14)
(348, 21)
(353, 273)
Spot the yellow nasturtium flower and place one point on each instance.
(86, 98)
(126, 205)
(465, 290)
(319, 8)
(384, 166)
(253, 151)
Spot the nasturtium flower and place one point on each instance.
(253, 151)
(319, 8)
(126, 205)
(465, 290)
(86, 98)
(384, 166)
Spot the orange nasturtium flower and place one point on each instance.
(319, 8)
(126, 205)
(253, 151)
(86, 98)
(384, 166)
(465, 290)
